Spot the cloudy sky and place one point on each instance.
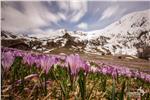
(47, 16)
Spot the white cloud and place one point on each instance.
(79, 9)
(35, 14)
(32, 16)
(82, 26)
(64, 5)
(73, 11)
(77, 16)
(62, 16)
(109, 12)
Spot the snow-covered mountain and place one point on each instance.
(126, 36)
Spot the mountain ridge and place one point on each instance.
(125, 36)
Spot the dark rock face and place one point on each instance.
(35, 43)
(143, 47)
(144, 53)
(73, 41)
(19, 44)
(11, 40)
(52, 44)
(67, 36)
(5, 34)
(142, 34)
(66, 41)
(101, 40)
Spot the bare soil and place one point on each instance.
(122, 60)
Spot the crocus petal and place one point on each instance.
(7, 60)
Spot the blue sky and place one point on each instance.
(47, 16)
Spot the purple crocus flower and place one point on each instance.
(142, 75)
(47, 62)
(19, 53)
(104, 70)
(147, 78)
(114, 73)
(128, 72)
(29, 59)
(75, 63)
(7, 59)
